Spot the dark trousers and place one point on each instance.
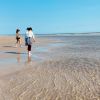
(29, 47)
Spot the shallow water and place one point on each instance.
(73, 43)
(39, 54)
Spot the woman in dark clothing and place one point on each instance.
(18, 38)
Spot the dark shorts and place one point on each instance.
(29, 47)
(17, 38)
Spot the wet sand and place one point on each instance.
(61, 68)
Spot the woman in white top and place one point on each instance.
(29, 38)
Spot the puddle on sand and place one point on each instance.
(20, 59)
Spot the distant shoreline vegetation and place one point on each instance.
(61, 34)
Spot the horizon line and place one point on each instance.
(55, 33)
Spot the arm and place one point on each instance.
(33, 39)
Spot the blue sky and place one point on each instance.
(50, 16)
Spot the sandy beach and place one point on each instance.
(60, 68)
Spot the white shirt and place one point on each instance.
(29, 34)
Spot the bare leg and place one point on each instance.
(20, 43)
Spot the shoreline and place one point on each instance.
(18, 56)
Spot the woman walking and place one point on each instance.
(29, 39)
(18, 38)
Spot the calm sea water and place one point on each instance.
(92, 38)
(75, 43)
(61, 34)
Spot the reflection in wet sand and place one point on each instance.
(19, 57)
(29, 59)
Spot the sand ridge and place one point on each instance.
(46, 82)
